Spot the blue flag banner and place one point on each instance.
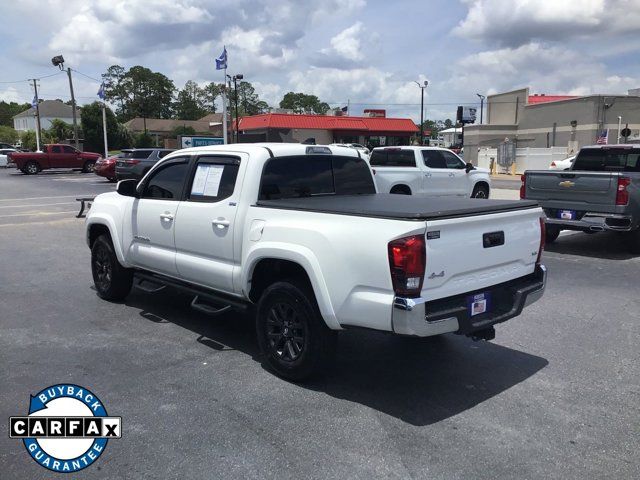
(221, 61)
(101, 94)
(34, 102)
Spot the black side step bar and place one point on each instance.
(201, 295)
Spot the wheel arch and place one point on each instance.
(287, 262)
(481, 183)
(401, 186)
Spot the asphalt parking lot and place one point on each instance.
(555, 396)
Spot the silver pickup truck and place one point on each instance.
(601, 191)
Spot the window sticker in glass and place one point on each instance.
(207, 180)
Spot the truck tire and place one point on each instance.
(112, 280)
(551, 233)
(31, 168)
(89, 166)
(480, 191)
(294, 340)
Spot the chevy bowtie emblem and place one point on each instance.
(567, 183)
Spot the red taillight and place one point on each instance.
(543, 235)
(407, 260)
(523, 187)
(622, 195)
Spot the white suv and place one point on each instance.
(427, 171)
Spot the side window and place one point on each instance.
(56, 149)
(141, 153)
(293, 177)
(68, 149)
(433, 159)
(452, 161)
(214, 179)
(378, 158)
(167, 182)
(164, 153)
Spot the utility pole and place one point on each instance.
(38, 127)
(104, 129)
(482, 97)
(73, 105)
(619, 128)
(422, 87)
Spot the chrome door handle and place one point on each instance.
(452, 174)
(427, 174)
(221, 223)
(166, 216)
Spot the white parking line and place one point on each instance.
(37, 205)
(36, 198)
(36, 214)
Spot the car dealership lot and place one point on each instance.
(556, 395)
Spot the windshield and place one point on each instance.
(605, 159)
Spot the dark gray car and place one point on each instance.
(135, 163)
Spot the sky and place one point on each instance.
(368, 53)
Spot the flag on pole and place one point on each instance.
(101, 93)
(221, 61)
(34, 102)
(603, 137)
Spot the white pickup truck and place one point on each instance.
(300, 233)
(427, 171)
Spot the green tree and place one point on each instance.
(28, 139)
(8, 135)
(248, 101)
(8, 110)
(448, 123)
(191, 102)
(183, 130)
(91, 120)
(139, 92)
(143, 140)
(303, 103)
(60, 130)
(211, 93)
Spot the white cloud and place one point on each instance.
(347, 42)
(515, 22)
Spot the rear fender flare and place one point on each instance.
(303, 257)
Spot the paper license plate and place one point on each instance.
(567, 214)
(478, 304)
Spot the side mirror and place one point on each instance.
(469, 167)
(127, 188)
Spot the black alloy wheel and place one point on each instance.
(286, 331)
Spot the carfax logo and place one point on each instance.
(67, 428)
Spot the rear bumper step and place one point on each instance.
(414, 316)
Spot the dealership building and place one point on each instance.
(373, 130)
(553, 121)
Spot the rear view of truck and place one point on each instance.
(600, 192)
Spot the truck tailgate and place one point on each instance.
(572, 189)
(471, 253)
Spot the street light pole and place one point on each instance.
(482, 97)
(235, 78)
(422, 87)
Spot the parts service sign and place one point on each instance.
(67, 428)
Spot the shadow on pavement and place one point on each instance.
(604, 245)
(419, 381)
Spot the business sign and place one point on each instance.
(188, 141)
(466, 114)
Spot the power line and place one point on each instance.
(88, 76)
(40, 77)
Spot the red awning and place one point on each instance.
(325, 122)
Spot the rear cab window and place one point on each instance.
(312, 175)
(608, 159)
(393, 157)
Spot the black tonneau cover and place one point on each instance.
(406, 207)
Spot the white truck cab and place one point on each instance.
(427, 171)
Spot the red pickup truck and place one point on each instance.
(55, 156)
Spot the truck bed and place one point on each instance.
(405, 207)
